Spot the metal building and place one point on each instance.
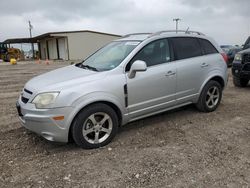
(71, 45)
(67, 45)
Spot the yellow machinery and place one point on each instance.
(8, 53)
(13, 61)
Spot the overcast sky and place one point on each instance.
(227, 21)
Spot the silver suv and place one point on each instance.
(131, 78)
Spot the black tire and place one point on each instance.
(202, 102)
(8, 57)
(83, 116)
(240, 82)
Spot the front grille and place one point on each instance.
(246, 58)
(237, 66)
(24, 99)
(246, 67)
(27, 91)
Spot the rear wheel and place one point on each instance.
(240, 82)
(95, 126)
(210, 97)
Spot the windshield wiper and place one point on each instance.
(88, 67)
(91, 68)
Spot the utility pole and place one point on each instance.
(176, 20)
(32, 44)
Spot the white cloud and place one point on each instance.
(227, 21)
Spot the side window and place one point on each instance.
(208, 47)
(186, 47)
(154, 53)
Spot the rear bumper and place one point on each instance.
(41, 121)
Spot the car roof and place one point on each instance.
(148, 37)
(161, 34)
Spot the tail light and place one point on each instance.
(225, 57)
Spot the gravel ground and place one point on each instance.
(181, 148)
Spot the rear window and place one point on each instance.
(186, 47)
(208, 47)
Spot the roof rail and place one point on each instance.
(131, 34)
(178, 31)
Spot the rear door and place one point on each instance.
(154, 89)
(191, 67)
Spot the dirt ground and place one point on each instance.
(181, 148)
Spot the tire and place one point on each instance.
(240, 82)
(8, 57)
(210, 97)
(95, 126)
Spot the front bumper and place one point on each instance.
(241, 70)
(41, 121)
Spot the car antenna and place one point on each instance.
(187, 30)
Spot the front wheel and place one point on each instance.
(95, 126)
(210, 97)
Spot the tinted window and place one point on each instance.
(154, 53)
(186, 47)
(207, 47)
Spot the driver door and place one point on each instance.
(154, 89)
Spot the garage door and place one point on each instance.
(52, 49)
(62, 49)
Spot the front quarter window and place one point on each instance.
(110, 56)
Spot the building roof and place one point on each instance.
(39, 37)
(20, 40)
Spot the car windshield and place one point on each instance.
(110, 56)
(247, 44)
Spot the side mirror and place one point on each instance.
(137, 66)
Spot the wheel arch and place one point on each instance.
(215, 77)
(220, 80)
(114, 106)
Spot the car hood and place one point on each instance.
(246, 51)
(62, 77)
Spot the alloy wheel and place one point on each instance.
(97, 128)
(213, 96)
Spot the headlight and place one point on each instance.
(44, 100)
(238, 57)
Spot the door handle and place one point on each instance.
(170, 73)
(204, 65)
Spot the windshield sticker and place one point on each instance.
(132, 43)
